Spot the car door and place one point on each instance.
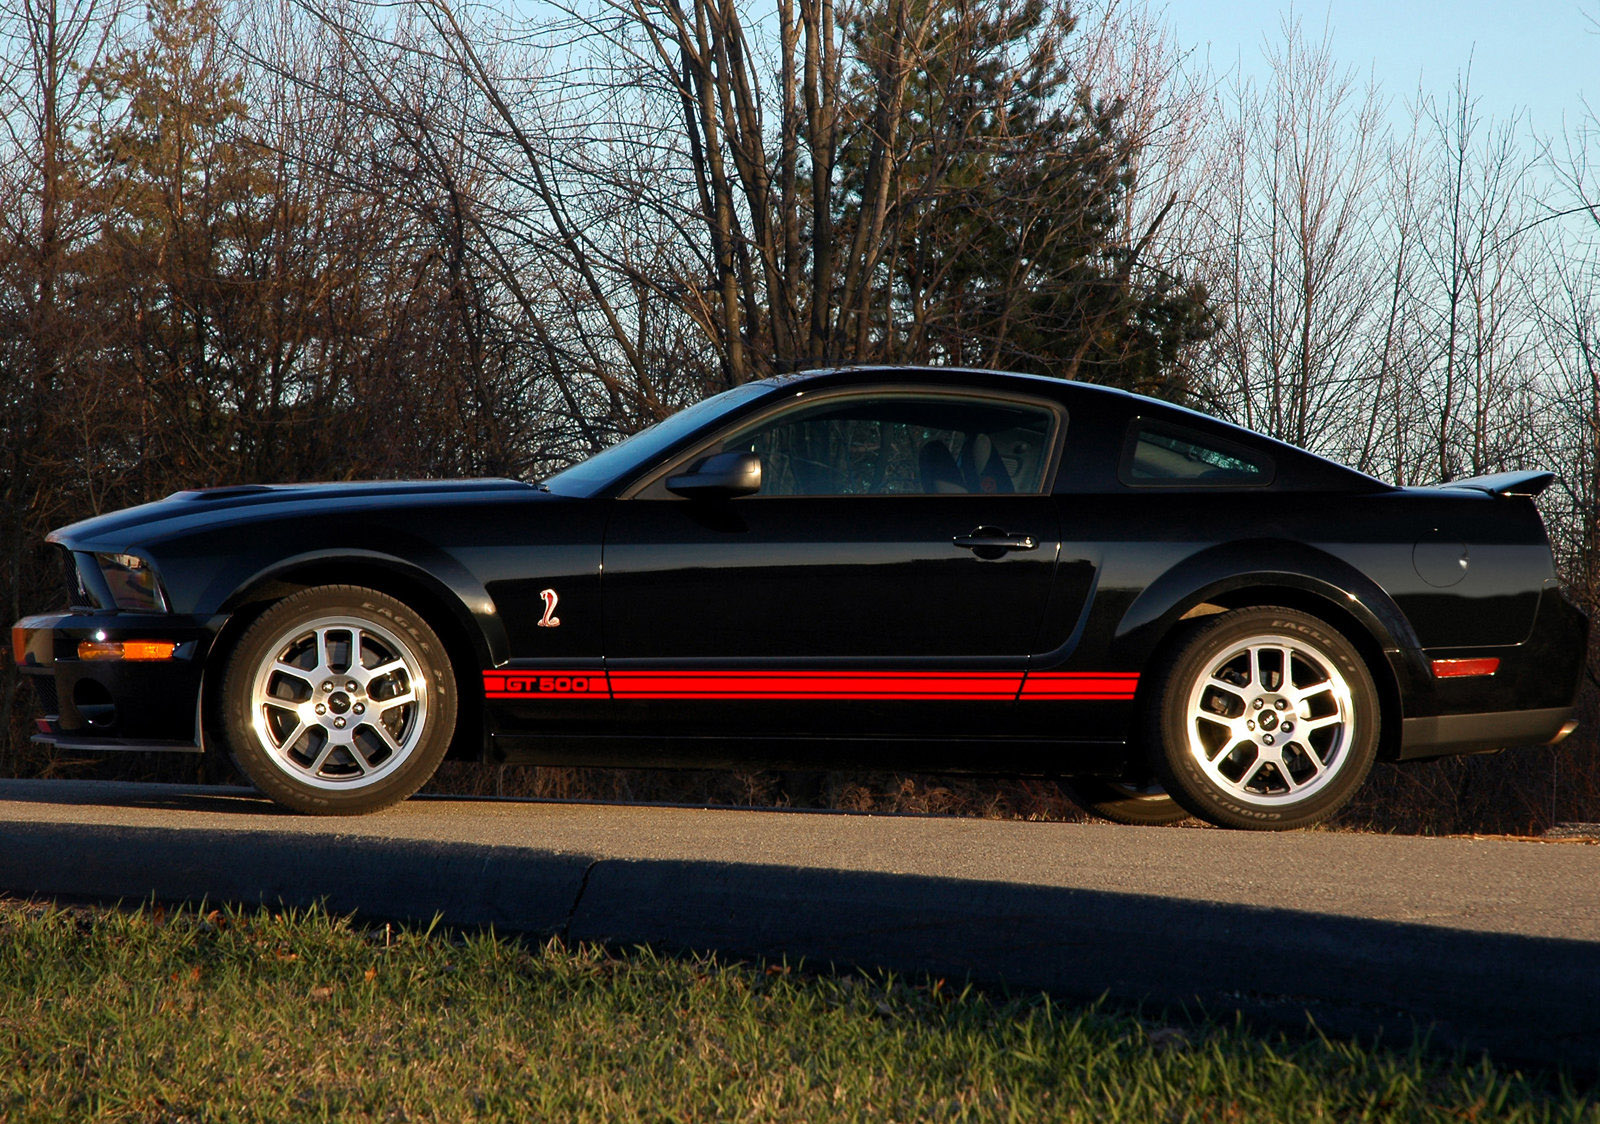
(888, 579)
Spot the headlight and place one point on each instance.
(131, 583)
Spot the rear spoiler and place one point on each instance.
(1505, 483)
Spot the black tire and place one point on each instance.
(1124, 802)
(315, 721)
(1241, 744)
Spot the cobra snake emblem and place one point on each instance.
(549, 620)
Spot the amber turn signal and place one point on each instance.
(19, 646)
(126, 649)
(1453, 669)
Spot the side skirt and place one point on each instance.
(991, 756)
(114, 745)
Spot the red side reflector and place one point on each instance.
(126, 649)
(1453, 669)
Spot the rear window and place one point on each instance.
(1161, 454)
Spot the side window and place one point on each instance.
(890, 444)
(1158, 453)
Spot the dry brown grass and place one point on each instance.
(1028, 799)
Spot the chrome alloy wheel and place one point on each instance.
(341, 703)
(1271, 721)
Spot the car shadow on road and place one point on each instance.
(232, 799)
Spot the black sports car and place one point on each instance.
(920, 569)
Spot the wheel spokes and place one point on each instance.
(353, 748)
(290, 671)
(373, 674)
(1269, 720)
(317, 764)
(383, 706)
(1318, 767)
(294, 736)
(383, 734)
(339, 702)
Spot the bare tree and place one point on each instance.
(48, 47)
(1480, 207)
(1298, 252)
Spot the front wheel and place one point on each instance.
(1265, 719)
(338, 700)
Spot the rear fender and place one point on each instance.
(1222, 569)
(1266, 572)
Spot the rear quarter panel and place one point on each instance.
(1154, 556)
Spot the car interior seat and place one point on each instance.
(982, 470)
(937, 470)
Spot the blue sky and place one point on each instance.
(1542, 55)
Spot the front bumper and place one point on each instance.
(111, 704)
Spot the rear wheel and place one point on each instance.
(1127, 802)
(338, 700)
(1265, 718)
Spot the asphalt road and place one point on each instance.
(1482, 943)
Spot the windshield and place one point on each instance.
(643, 448)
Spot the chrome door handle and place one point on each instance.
(993, 540)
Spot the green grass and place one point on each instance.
(155, 1015)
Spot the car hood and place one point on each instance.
(213, 507)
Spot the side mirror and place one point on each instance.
(720, 476)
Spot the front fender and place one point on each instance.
(446, 580)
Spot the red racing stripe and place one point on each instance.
(801, 684)
(813, 684)
(1044, 686)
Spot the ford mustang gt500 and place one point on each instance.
(921, 569)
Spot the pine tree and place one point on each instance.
(1007, 247)
(181, 190)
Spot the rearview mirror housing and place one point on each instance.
(719, 476)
